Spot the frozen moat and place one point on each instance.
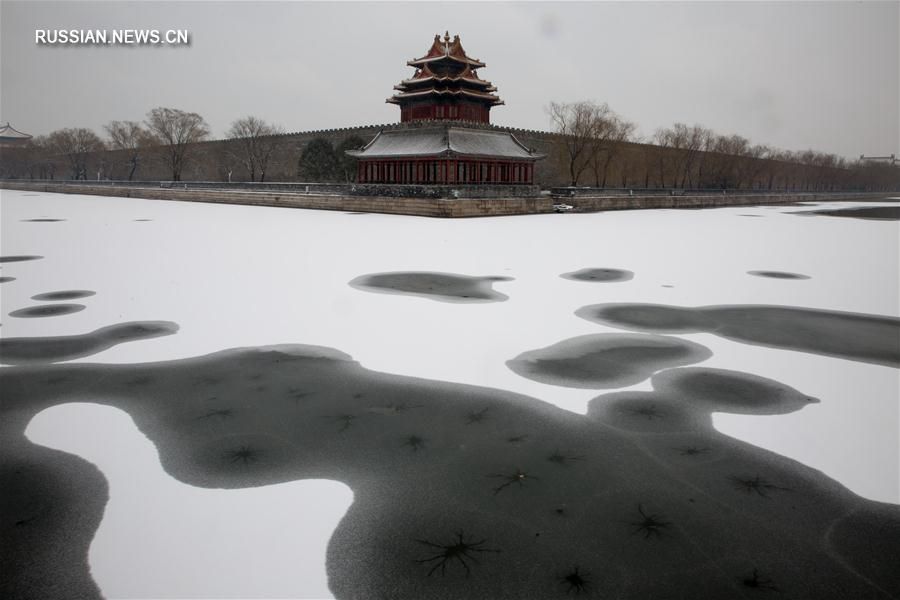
(175, 282)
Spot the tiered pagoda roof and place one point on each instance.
(445, 73)
(446, 137)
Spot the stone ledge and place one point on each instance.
(453, 208)
(426, 207)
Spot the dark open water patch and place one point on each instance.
(878, 213)
(459, 491)
(41, 220)
(142, 220)
(606, 360)
(47, 310)
(444, 287)
(778, 274)
(599, 275)
(853, 336)
(63, 295)
(40, 350)
(684, 399)
(7, 279)
(20, 258)
(750, 215)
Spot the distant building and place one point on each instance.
(886, 160)
(444, 102)
(10, 138)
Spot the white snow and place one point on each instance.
(161, 538)
(234, 276)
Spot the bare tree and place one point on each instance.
(696, 140)
(728, 151)
(610, 133)
(131, 139)
(663, 157)
(256, 141)
(576, 124)
(179, 131)
(687, 144)
(44, 165)
(76, 144)
(753, 165)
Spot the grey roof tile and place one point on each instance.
(440, 141)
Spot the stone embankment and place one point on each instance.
(429, 207)
(708, 200)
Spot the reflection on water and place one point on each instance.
(879, 213)
(462, 491)
(49, 310)
(606, 360)
(599, 275)
(63, 295)
(778, 274)
(445, 287)
(853, 336)
(38, 350)
(19, 258)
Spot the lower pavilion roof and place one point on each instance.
(404, 95)
(445, 142)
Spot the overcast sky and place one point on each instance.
(817, 75)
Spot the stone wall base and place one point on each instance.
(431, 207)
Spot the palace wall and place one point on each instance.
(634, 165)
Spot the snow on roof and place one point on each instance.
(460, 92)
(446, 49)
(438, 141)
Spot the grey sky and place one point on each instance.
(817, 75)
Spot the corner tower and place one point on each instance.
(445, 86)
(445, 137)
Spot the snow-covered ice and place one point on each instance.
(237, 276)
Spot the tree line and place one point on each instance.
(594, 146)
(599, 148)
(170, 137)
